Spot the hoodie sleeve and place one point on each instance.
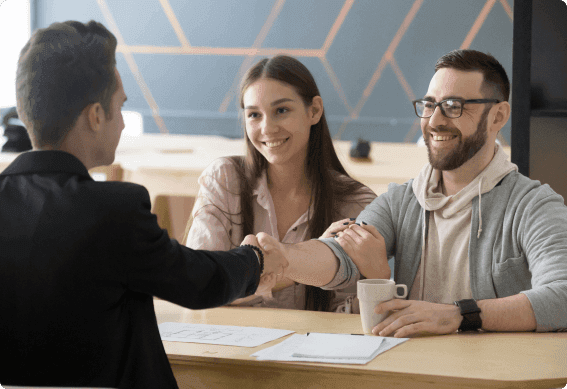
(379, 214)
(543, 237)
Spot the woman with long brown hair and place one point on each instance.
(290, 184)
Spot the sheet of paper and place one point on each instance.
(339, 346)
(284, 350)
(216, 334)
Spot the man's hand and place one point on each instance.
(274, 259)
(275, 262)
(250, 239)
(412, 317)
(367, 248)
(337, 227)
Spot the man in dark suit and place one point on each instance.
(80, 260)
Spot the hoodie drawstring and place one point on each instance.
(423, 251)
(479, 207)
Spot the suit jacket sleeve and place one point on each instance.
(153, 263)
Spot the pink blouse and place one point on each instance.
(216, 224)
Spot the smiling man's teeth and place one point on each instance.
(275, 144)
(446, 137)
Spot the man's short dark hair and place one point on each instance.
(496, 82)
(62, 69)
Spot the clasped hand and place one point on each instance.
(275, 262)
(364, 245)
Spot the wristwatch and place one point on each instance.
(471, 315)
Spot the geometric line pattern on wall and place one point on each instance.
(248, 61)
(386, 58)
(256, 49)
(174, 23)
(133, 66)
(481, 18)
(476, 28)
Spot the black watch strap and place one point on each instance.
(471, 315)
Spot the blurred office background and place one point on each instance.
(181, 60)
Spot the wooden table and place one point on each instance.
(489, 360)
(172, 164)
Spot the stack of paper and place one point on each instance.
(217, 334)
(329, 348)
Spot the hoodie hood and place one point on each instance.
(429, 195)
(427, 190)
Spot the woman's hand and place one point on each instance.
(367, 249)
(337, 227)
(267, 282)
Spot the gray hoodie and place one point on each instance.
(517, 243)
(446, 230)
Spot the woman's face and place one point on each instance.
(277, 121)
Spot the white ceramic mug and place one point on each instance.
(372, 292)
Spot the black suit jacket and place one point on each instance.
(79, 263)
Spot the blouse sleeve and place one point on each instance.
(356, 203)
(216, 214)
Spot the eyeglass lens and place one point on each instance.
(451, 108)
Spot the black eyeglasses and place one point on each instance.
(451, 108)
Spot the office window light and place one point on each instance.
(15, 24)
(133, 122)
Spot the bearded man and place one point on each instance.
(479, 245)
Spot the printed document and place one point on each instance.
(216, 334)
(319, 350)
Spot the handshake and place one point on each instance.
(275, 262)
(313, 264)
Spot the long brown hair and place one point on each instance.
(328, 190)
(331, 184)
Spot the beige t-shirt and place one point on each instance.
(446, 255)
(216, 222)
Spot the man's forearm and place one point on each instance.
(513, 313)
(311, 263)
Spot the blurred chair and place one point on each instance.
(15, 138)
(173, 214)
(112, 172)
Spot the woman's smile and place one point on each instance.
(275, 143)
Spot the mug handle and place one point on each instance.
(405, 291)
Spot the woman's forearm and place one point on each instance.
(311, 263)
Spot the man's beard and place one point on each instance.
(464, 151)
